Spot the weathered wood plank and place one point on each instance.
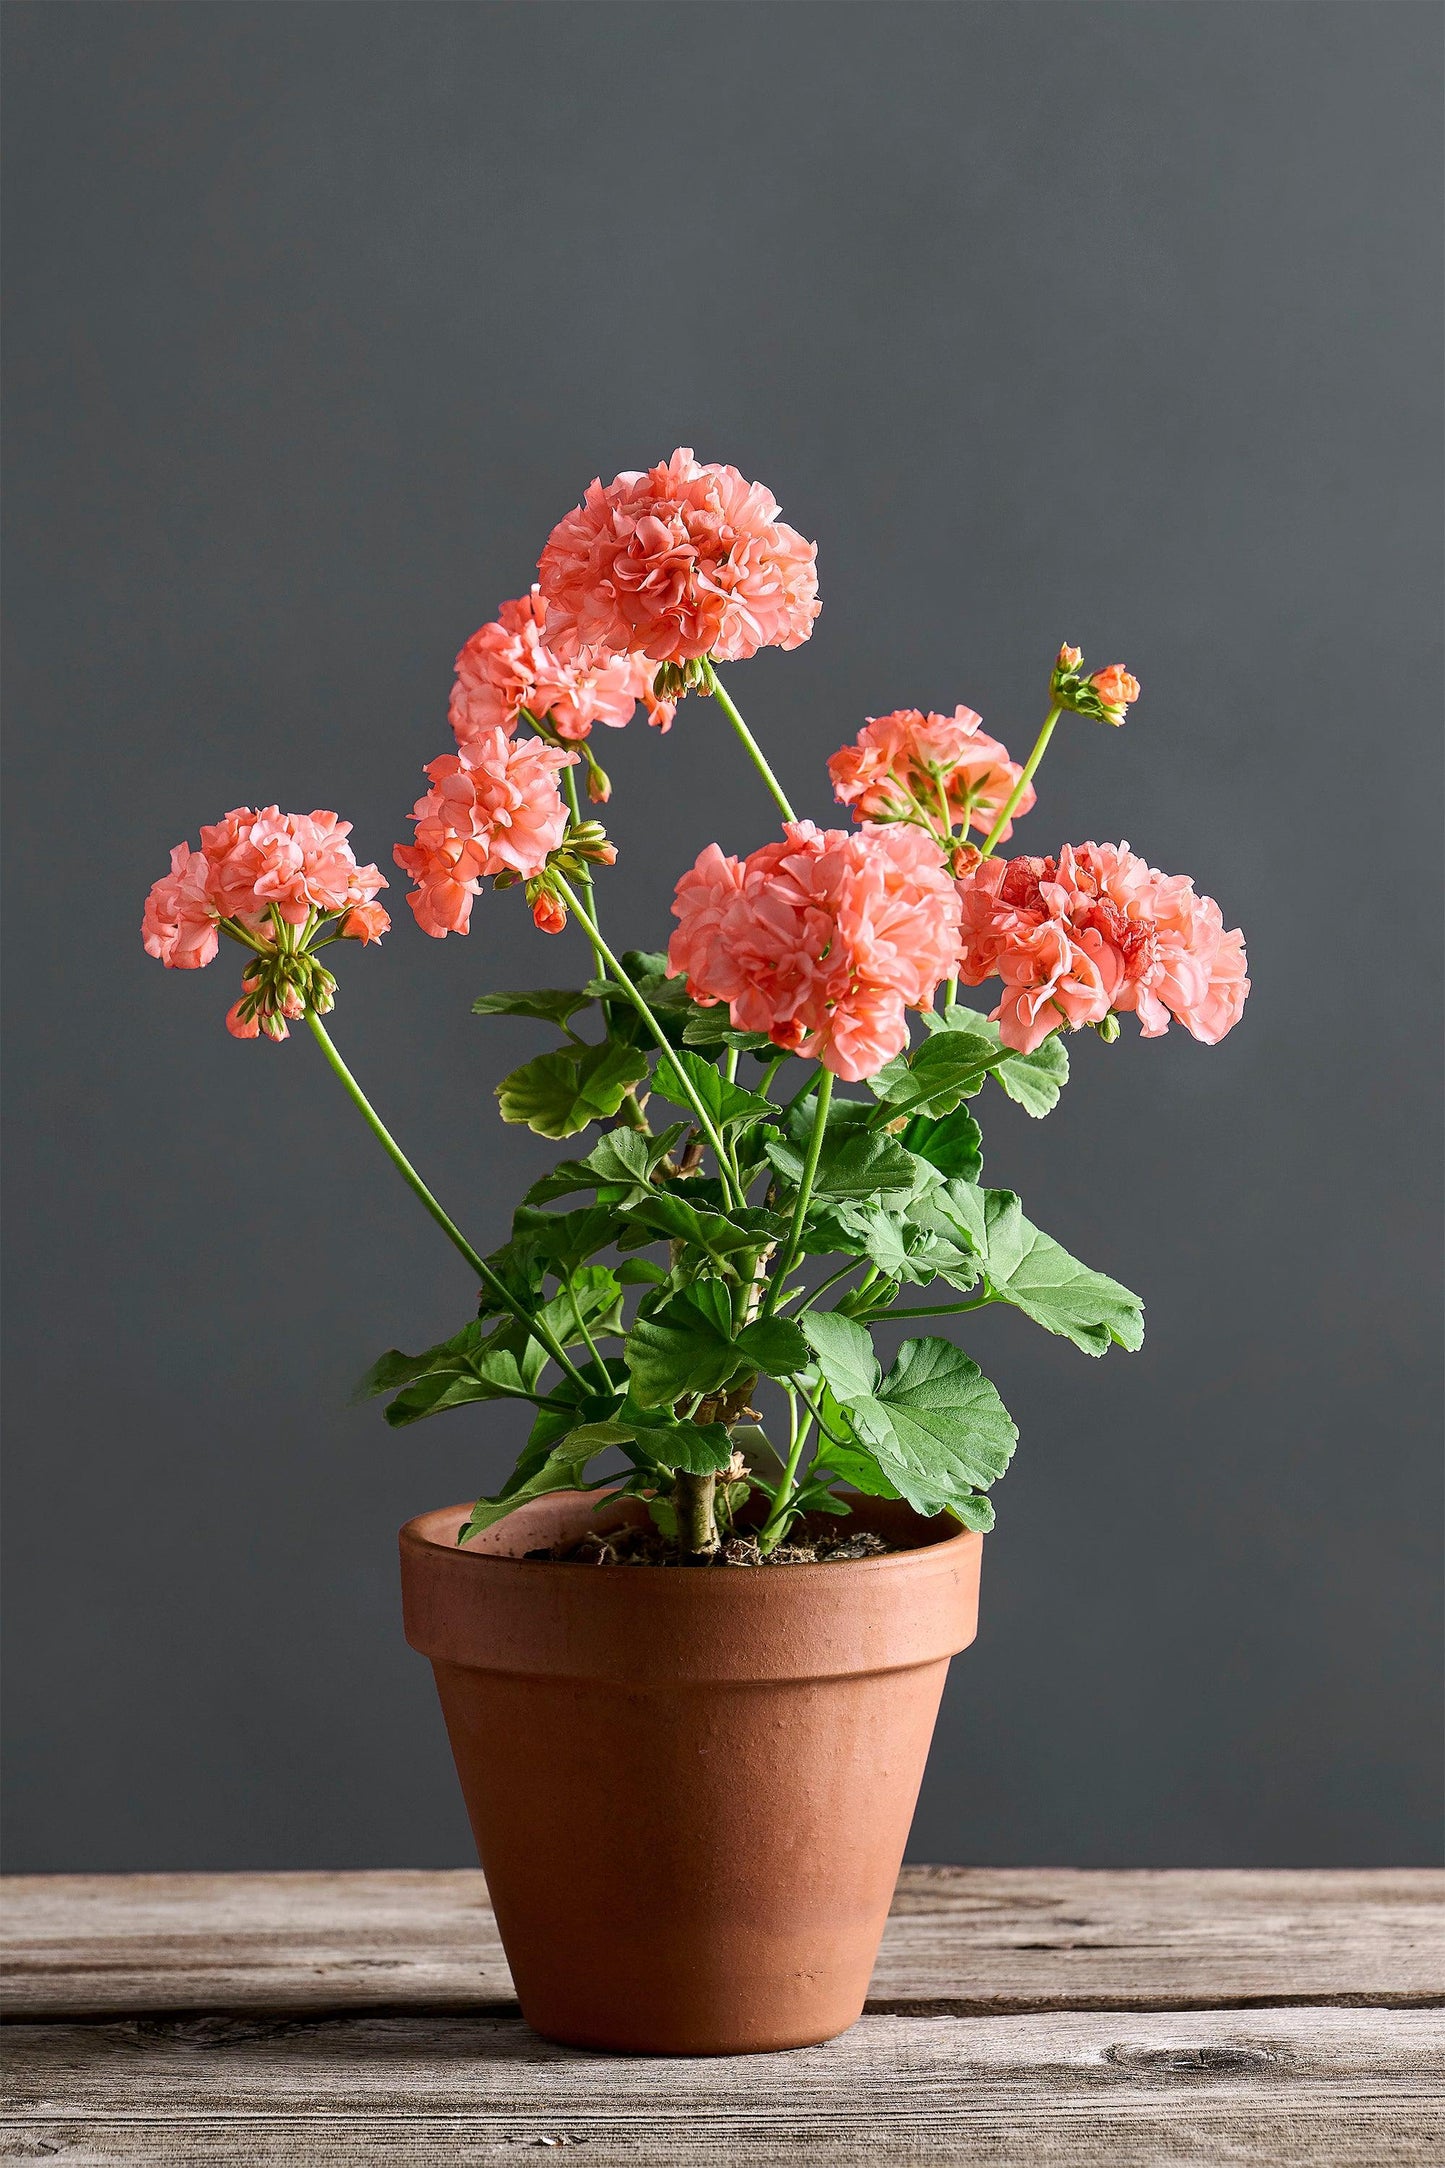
(960, 1940)
(1347, 2088)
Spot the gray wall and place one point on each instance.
(1112, 323)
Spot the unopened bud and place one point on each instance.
(1069, 658)
(599, 782)
(1108, 1028)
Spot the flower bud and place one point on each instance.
(599, 783)
(1108, 1028)
(549, 914)
(1069, 658)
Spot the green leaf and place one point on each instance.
(1037, 1275)
(563, 1469)
(640, 1272)
(951, 1142)
(854, 1164)
(946, 1068)
(598, 1296)
(553, 1004)
(728, 1104)
(688, 1346)
(692, 1448)
(471, 1366)
(709, 1027)
(845, 1354)
(619, 1167)
(720, 1234)
(564, 1240)
(558, 1094)
(1034, 1080)
(934, 1426)
(852, 1464)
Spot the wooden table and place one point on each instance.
(1023, 2016)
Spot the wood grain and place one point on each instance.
(960, 1941)
(1342, 2087)
(1037, 2018)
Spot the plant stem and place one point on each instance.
(942, 1309)
(704, 1119)
(805, 1191)
(755, 752)
(586, 1335)
(449, 1228)
(772, 1529)
(693, 1499)
(730, 1065)
(831, 1281)
(769, 1073)
(1006, 815)
(584, 877)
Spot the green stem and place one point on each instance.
(585, 1334)
(453, 1233)
(805, 1190)
(765, 1088)
(714, 685)
(831, 1281)
(704, 1119)
(584, 877)
(1040, 748)
(772, 1528)
(823, 1429)
(942, 1309)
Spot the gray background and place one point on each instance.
(1108, 323)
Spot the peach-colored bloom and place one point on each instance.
(823, 941)
(180, 920)
(296, 863)
(494, 807)
(682, 561)
(508, 666)
(1116, 688)
(909, 765)
(365, 922)
(250, 864)
(1095, 930)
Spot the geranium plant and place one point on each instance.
(717, 1230)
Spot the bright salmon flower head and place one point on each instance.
(1106, 696)
(1097, 932)
(274, 882)
(683, 561)
(494, 808)
(823, 941)
(508, 667)
(930, 770)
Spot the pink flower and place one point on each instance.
(682, 561)
(494, 807)
(508, 666)
(1116, 688)
(1095, 930)
(241, 1025)
(249, 864)
(365, 922)
(823, 941)
(180, 920)
(296, 863)
(909, 765)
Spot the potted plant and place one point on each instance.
(690, 1652)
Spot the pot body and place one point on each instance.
(690, 1789)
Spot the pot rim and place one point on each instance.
(414, 1535)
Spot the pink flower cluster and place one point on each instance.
(908, 764)
(683, 561)
(823, 940)
(251, 864)
(508, 666)
(493, 807)
(1097, 929)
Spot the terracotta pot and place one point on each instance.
(690, 1788)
